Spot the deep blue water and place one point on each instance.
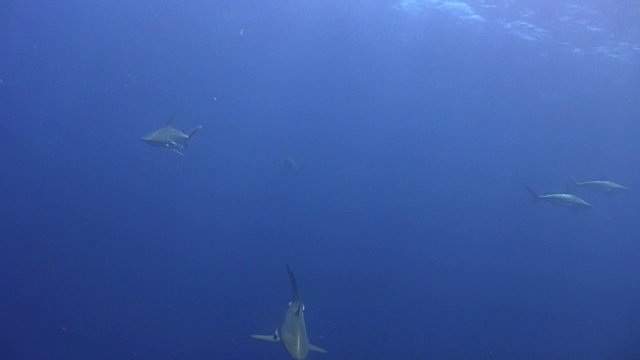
(416, 123)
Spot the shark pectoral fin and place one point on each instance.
(271, 338)
(317, 349)
(176, 151)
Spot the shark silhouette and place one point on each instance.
(170, 137)
(565, 199)
(603, 185)
(293, 332)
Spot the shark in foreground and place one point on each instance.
(560, 199)
(603, 185)
(293, 332)
(170, 137)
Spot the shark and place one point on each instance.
(291, 164)
(603, 185)
(560, 199)
(293, 332)
(170, 137)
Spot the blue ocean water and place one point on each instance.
(414, 124)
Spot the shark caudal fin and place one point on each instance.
(193, 132)
(534, 195)
(573, 186)
(317, 349)
(271, 338)
(575, 182)
(190, 134)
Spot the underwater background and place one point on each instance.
(379, 148)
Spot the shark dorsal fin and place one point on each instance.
(294, 285)
(568, 190)
(170, 121)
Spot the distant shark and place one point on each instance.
(293, 332)
(560, 199)
(291, 164)
(603, 185)
(170, 137)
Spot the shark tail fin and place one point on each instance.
(317, 349)
(190, 134)
(194, 131)
(575, 182)
(271, 338)
(534, 195)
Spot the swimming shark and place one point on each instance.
(603, 185)
(560, 199)
(293, 332)
(291, 164)
(170, 137)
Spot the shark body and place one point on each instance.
(170, 137)
(293, 332)
(604, 186)
(560, 199)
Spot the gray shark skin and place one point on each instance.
(560, 199)
(604, 186)
(170, 137)
(293, 332)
